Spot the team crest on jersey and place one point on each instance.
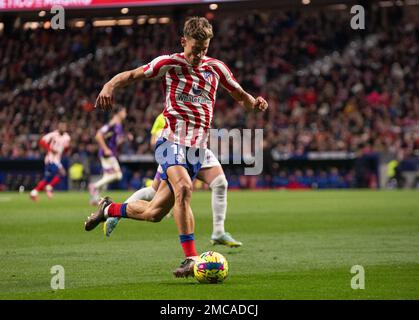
(207, 75)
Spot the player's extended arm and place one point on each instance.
(105, 99)
(153, 140)
(101, 140)
(45, 145)
(128, 136)
(248, 101)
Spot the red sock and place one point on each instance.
(189, 248)
(114, 210)
(41, 185)
(54, 181)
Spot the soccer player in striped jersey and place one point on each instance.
(56, 143)
(109, 137)
(190, 81)
(211, 173)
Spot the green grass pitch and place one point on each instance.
(297, 245)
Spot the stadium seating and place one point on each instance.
(324, 95)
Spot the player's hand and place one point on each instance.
(62, 171)
(130, 137)
(104, 100)
(260, 104)
(108, 152)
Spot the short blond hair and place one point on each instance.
(198, 28)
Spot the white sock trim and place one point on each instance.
(105, 212)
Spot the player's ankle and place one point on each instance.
(117, 210)
(187, 242)
(217, 234)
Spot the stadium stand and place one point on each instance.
(330, 90)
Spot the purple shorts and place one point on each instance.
(158, 175)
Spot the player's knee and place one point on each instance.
(183, 191)
(155, 218)
(118, 175)
(153, 214)
(219, 183)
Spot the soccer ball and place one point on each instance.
(211, 267)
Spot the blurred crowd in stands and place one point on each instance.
(329, 88)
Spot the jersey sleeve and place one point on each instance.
(158, 67)
(68, 142)
(104, 129)
(158, 125)
(48, 137)
(227, 79)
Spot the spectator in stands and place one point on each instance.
(361, 100)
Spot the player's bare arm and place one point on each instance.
(153, 140)
(105, 99)
(248, 101)
(101, 141)
(126, 137)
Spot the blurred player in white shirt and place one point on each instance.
(56, 143)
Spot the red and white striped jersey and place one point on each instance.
(190, 94)
(57, 145)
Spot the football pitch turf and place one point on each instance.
(297, 245)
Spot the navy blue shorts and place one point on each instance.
(169, 154)
(51, 170)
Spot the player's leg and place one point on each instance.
(142, 194)
(182, 188)
(214, 177)
(161, 204)
(52, 182)
(107, 178)
(50, 186)
(178, 198)
(152, 211)
(34, 194)
(41, 184)
(147, 193)
(111, 172)
(212, 173)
